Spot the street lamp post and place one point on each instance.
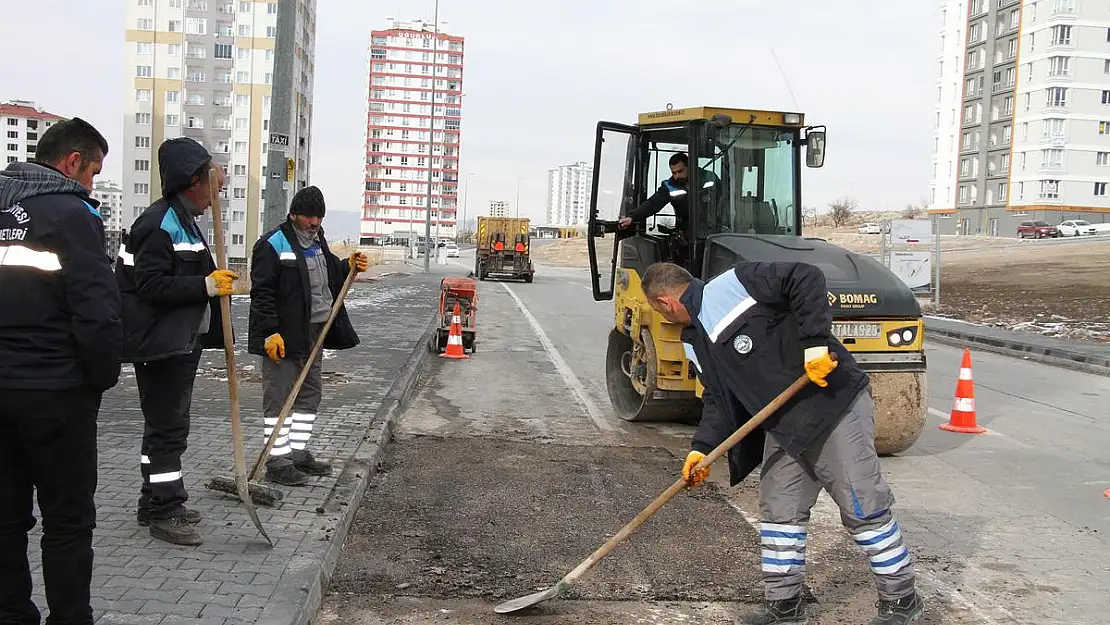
(466, 198)
(518, 194)
(428, 247)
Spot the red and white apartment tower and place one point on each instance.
(394, 205)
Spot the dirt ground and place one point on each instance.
(1046, 287)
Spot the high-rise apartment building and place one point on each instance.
(399, 116)
(110, 197)
(568, 194)
(204, 69)
(499, 208)
(22, 124)
(1023, 114)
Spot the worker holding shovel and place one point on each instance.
(749, 332)
(295, 279)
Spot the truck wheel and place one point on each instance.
(633, 398)
(528, 278)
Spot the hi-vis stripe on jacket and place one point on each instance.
(59, 306)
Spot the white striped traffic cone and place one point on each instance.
(454, 338)
(962, 419)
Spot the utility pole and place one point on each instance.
(428, 247)
(466, 198)
(518, 194)
(281, 139)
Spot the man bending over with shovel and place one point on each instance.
(749, 332)
(295, 279)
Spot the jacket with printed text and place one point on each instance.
(162, 266)
(750, 328)
(59, 306)
(281, 302)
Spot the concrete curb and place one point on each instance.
(1056, 355)
(300, 592)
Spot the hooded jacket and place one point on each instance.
(162, 266)
(280, 299)
(750, 327)
(59, 306)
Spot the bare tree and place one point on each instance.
(841, 211)
(809, 216)
(912, 212)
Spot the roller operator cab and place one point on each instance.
(743, 203)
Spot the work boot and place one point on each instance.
(899, 611)
(784, 612)
(191, 516)
(177, 530)
(283, 472)
(305, 463)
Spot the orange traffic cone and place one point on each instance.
(454, 338)
(963, 410)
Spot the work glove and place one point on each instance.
(692, 477)
(219, 283)
(358, 261)
(275, 347)
(819, 364)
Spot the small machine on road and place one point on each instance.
(464, 292)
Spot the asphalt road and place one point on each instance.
(510, 468)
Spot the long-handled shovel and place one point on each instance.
(232, 374)
(261, 494)
(530, 600)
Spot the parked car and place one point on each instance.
(870, 228)
(452, 249)
(1037, 230)
(1075, 228)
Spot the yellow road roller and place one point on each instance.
(744, 202)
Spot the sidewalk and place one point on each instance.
(1084, 356)
(235, 577)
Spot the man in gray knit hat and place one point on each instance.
(295, 279)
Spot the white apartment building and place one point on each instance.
(204, 69)
(1023, 114)
(568, 194)
(499, 208)
(407, 65)
(22, 123)
(110, 197)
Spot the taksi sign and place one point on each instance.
(279, 140)
(853, 300)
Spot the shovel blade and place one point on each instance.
(528, 601)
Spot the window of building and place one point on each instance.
(142, 119)
(173, 120)
(1061, 35)
(144, 71)
(144, 23)
(271, 32)
(196, 25)
(142, 165)
(240, 193)
(1100, 189)
(241, 147)
(1104, 128)
(1056, 96)
(1059, 66)
(1106, 96)
(142, 142)
(1102, 159)
(222, 51)
(142, 188)
(244, 30)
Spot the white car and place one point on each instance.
(1076, 227)
(452, 249)
(870, 228)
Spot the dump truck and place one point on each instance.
(745, 203)
(503, 248)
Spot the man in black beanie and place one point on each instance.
(295, 279)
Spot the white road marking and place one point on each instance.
(944, 415)
(564, 370)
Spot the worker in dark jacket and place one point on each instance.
(60, 341)
(170, 288)
(295, 279)
(750, 332)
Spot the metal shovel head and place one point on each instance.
(528, 601)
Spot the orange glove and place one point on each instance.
(819, 364)
(219, 283)
(358, 261)
(275, 347)
(698, 476)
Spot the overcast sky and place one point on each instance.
(539, 74)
